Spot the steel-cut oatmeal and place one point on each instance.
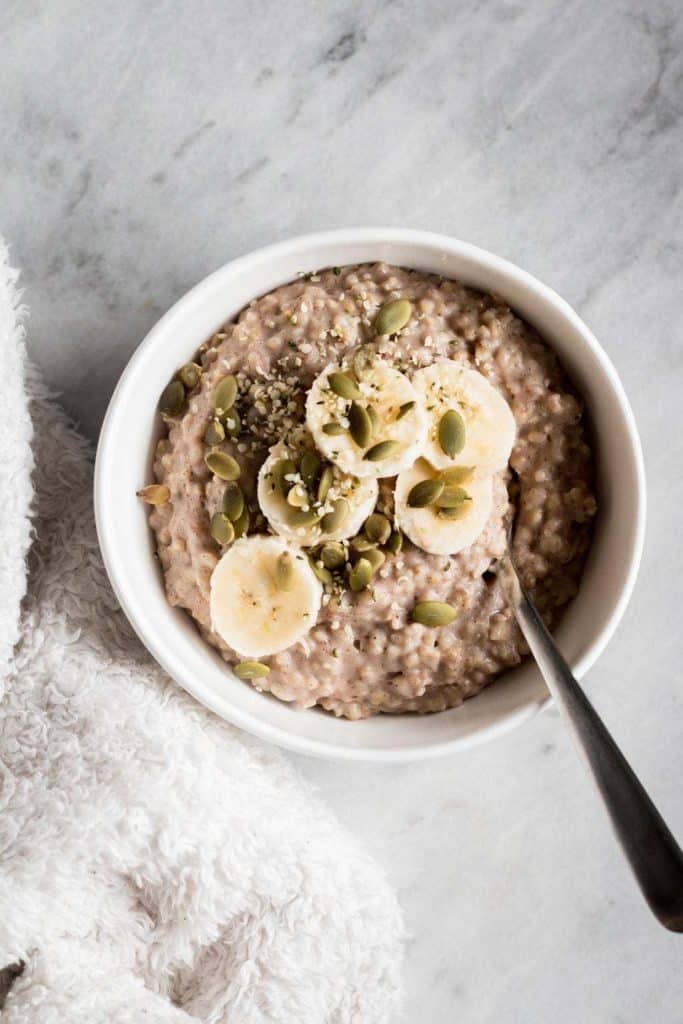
(339, 470)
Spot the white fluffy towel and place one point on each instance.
(155, 863)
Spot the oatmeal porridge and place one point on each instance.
(339, 470)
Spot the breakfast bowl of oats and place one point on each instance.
(308, 471)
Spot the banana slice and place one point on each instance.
(264, 596)
(443, 531)
(309, 500)
(479, 430)
(370, 426)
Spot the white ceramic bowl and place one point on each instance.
(124, 459)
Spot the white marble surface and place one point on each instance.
(146, 143)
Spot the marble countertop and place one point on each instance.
(146, 144)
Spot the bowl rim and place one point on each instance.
(254, 724)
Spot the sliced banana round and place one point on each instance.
(370, 425)
(455, 519)
(470, 423)
(264, 596)
(311, 504)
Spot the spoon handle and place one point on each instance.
(652, 851)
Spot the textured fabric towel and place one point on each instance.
(155, 863)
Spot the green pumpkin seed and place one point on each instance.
(425, 493)
(374, 418)
(333, 429)
(222, 530)
(332, 555)
(224, 394)
(241, 525)
(285, 575)
(309, 468)
(451, 496)
(395, 542)
(251, 670)
(189, 375)
(359, 544)
(281, 470)
(154, 494)
(215, 433)
(233, 501)
(360, 425)
(343, 386)
(299, 517)
(377, 528)
(335, 519)
(360, 575)
(363, 360)
(325, 482)
(232, 422)
(392, 317)
(383, 450)
(375, 557)
(297, 496)
(456, 474)
(458, 512)
(172, 398)
(404, 409)
(223, 465)
(321, 572)
(433, 613)
(452, 433)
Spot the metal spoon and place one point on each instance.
(654, 855)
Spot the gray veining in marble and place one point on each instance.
(145, 144)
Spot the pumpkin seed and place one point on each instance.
(285, 576)
(297, 496)
(154, 494)
(223, 465)
(300, 517)
(458, 512)
(281, 470)
(189, 375)
(363, 360)
(215, 433)
(395, 542)
(325, 482)
(392, 317)
(321, 572)
(333, 429)
(232, 422)
(374, 418)
(224, 394)
(172, 398)
(332, 555)
(360, 425)
(360, 575)
(433, 613)
(377, 528)
(222, 530)
(375, 557)
(404, 409)
(343, 386)
(241, 525)
(251, 670)
(359, 544)
(452, 433)
(233, 501)
(451, 496)
(383, 450)
(335, 519)
(425, 493)
(309, 467)
(456, 474)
